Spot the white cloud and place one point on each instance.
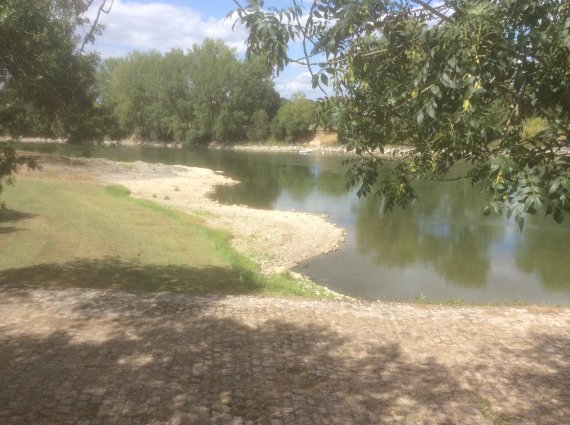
(292, 81)
(160, 26)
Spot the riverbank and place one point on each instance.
(67, 227)
(313, 147)
(277, 240)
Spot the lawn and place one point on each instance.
(80, 234)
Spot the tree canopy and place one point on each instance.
(202, 94)
(46, 80)
(295, 119)
(44, 74)
(455, 80)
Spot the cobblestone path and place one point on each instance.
(97, 357)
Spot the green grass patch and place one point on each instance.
(75, 234)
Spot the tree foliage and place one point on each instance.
(45, 77)
(203, 94)
(294, 120)
(47, 83)
(260, 128)
(456, 80)
(147, 93)
(10, 162)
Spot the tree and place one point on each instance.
(456, 80)
(203, 94)
(43, 69)
(212, 72)
(259, 129)
(149, 94)
(294, 120)
(10, 163)
(46, 80)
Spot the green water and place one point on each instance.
(440, 248)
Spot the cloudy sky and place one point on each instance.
(166, 24)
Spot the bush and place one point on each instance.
(294, 120)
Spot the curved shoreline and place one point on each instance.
(277, 240)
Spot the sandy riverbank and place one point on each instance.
(277, 240)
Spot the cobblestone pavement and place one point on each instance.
(100, 357)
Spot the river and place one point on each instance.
(440, 248)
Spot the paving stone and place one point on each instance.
(89, 357)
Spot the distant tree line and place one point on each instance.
(196, 96)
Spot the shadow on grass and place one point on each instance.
(8, 216)
(130, 276)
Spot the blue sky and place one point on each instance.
(165, 24)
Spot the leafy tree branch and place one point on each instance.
(455, 81)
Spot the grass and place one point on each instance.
(80, 234)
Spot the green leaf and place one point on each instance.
(555, 185)
(430, 111)
(448, 82)
(558, 216)
(315, 81)
(436, 91)
(420, 117)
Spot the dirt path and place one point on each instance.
(97, 357)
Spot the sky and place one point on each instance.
(166, 24)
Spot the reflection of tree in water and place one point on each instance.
(263, 179)
(541, 251)
(297, 180)
(332, 183)
(258, 185)
(443, 229)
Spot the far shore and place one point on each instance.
(314, 146)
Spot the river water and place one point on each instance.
(439, 248)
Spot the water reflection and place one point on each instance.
(264, 179)
(441, 247)
(545, 252)
(443, 230)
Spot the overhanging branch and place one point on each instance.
(432, 10)
(90, 35)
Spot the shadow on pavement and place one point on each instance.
(203, 369)
(162, 358)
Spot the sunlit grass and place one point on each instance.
(80, 234)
